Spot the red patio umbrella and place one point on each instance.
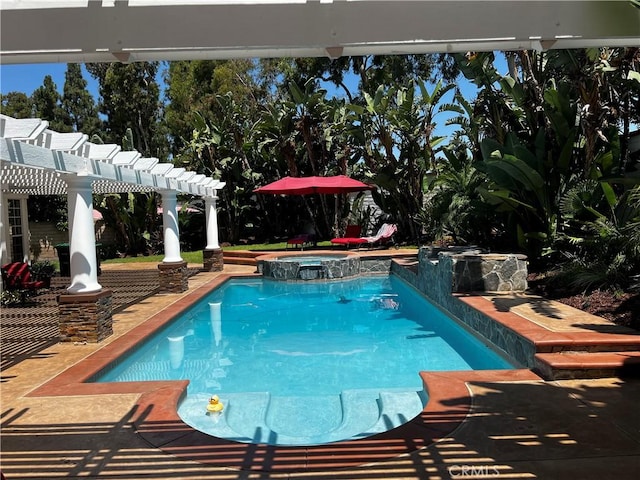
(309, 185)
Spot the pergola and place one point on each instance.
(39, 161)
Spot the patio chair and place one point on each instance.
(351, 236)
(16, 276)
(302, 240)
(382, 237)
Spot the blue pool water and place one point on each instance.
(305, 363)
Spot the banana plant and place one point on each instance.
(399, 125)
(222, 147)
(518, 188)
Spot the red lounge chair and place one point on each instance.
(302, 240)
(383, 236)
(351, 236)
(17, 276)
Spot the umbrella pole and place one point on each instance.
(313, 218)
(336, 222)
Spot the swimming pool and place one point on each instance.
(305, 363)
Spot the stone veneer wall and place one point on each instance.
(326, 269)
(85, 317)
(213, 260)
(435, 279)
(330, 268)
(375, 265)
(488, 272)
(174, 277)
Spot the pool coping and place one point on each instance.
(157, 422)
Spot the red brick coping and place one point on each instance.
(157, 422)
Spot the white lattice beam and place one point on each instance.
(37, 161)
(136, 30)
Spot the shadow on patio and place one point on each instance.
(584, 429)
(29, 329)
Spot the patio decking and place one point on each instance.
(508, 426)
(28, 329)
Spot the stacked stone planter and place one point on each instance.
(213, 260)
(85, 317)
(174, 277)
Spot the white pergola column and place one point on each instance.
(212, 222)
(212, 255)
(82, 239)
(170, 227)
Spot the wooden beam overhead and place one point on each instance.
(35, 31)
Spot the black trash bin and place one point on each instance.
(65, 258)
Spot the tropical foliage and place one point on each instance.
(539, 159)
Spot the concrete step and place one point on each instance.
(591, 343)
(568, 365)
(240, 257)
(242, 253)
(240, 261)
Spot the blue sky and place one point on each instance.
(26, 78)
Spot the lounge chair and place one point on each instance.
(351, 236)
(301, 241)
(384, 235)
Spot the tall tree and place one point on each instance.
(553, 121)
(399, 127)
(78, 104)
(192, 88)
(16, 105)
(370, 70)
(130, 98)
(47, 106)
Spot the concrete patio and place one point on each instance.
(478, 424)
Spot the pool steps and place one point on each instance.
(259, 417)
(241, 257)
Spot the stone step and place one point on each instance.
(568, 365)
(193, 410)
(302, 420)
(246, 415)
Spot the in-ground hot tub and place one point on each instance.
(309, 266)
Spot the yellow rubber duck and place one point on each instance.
(215, 405)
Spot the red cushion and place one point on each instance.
(18, 276)
(297, 240)
(34, 285)
(349, 241)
